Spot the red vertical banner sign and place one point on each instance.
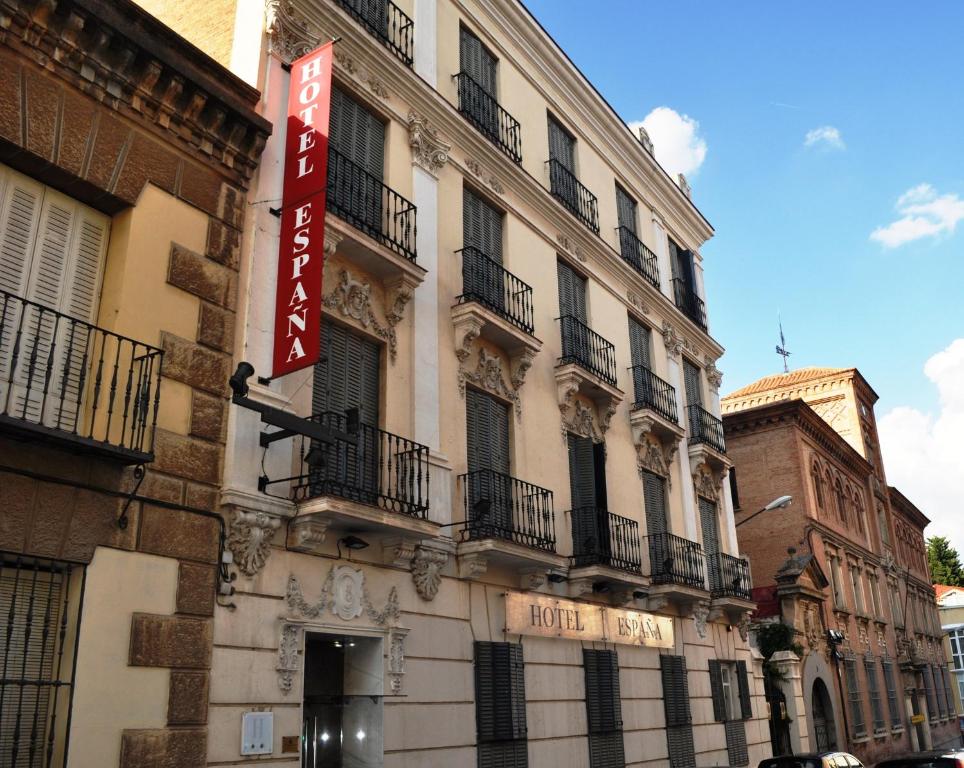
(297, 324)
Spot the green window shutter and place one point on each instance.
(488, 432)
(716, 691)
(639, 343)
(562, 146)
(681, 262)
(625, 209)
(572, 292)
(679, 728)
(743, 681)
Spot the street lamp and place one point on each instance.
(781, 502)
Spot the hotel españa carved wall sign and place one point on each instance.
(297, 325)
(528, 614)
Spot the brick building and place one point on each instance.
(125, 156)
(846, 556)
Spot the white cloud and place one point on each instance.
(679, 147)
(922, 451)
(824, 136)
(923, 213)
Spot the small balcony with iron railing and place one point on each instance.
(568, 190)
(676, 568)
(507, 521)
(481, 109)
(689, 303)
(587, 365)
(638, 256)
(387, 23)
(730, 585)
(361, 478)
(74, 385)
(654, 408)
(606, 551)
(706, 443)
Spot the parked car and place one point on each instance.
(816, 760)
(947, 758)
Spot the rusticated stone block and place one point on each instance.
(146, 161)
(164, 748)
(111, 137)
(18, 498)
(215, 327)
(187, 701)
(94, 521)
(194, 365)
(201, 277)
(195, 589)
(162, 487)
(181, 642)
(51, 514)
(43, 111)
(187, 457)
(207, 416)
(224, 244)
(178, 533)
(231, 205)
(201, 187)
(201, 497)
(10, 102)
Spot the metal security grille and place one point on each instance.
(39, 618)
(857, 724)
(876, 706)
(888, 667)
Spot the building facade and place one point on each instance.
(851, 578)
(950, 605)
(125, 157)
(523, 553)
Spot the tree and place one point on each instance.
(944, 562)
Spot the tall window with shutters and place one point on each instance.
(730, 689)
(483, 278)
(52, 253)
(929, 693)
(481, 66)
(873, 686)
(603, 709)
(489, 486)
(676, 706)
(587, 486)
(893, 706)
(858, 726)
(657, 526)
(500, 705)
(357, 162)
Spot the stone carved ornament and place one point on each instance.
(651, 456)
(289, 37)
(673, 341)
(249, 539)
(707, 483)
(714, 376)
(701, 613)
(581, 422)
(488, 375)
(743, 627)
(344, 594)
(353, 299)
(362, 75)
(476, 168)
(812, 625)
(427, 567)
(429, 152)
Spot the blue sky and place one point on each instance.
(880, 83)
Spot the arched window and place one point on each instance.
(859, 511)
(841, 502)
(817, 485)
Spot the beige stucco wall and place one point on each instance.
(109, 695)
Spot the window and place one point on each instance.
(729, 685)
(488, 484)
(734, 489)
(858, 586)
(478, 62)
(659, 548)
(895, 604)
(882, 525)
(587, 486)
(625, 210)
(500, 705)
(939, 692)
(929, 693)
(41, 601)
(692, 383)
(676, 705)
(841, 502)
(572, 293)
(893, 705)
(562, 146)
(957, 648)
(875, 595)
(640, 343)
(603, 709)
(858, 727)
(817, 485)
(876, 707)
(836, 582)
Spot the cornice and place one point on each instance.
(407, 91)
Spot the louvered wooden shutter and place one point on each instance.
(691, 379)
(582, 481)
(562, 146)
(676, 705)
(639, 343)
(681, 262)
(603, 709)
(710, 526)
(500, 705)
(654, 497)
(743, 681)
(488, 432)
(736, 750)
(625, 209)
(716, 691)
(477, 62)
(572, 292)
(481, 225)
(357, 133)
(348, 374)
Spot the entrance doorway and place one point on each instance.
(342, 724)
(824, 727)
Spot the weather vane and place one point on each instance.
(782, 347)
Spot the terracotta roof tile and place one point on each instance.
(781, 380)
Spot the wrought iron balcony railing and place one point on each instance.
(481, 109)
(652, 392)
(387, 22)
(638, 256)
(567, 189)
(382, 469)
(366, 203)
(705, 428)
(68, 381)
(601, 538)
(675, 560)
(498, 506)
(689, 303)
(486, 281)
(729, 576)
(586, 348)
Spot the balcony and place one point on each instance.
(654, 408)
(377, 481)
(638, 256)
(492, 121)
(706, 444)
(486, 281)
(578, 200)
(587, 366)
(676, 571)
(386, 22)
(74, 385)
(368, 205)
(689, 303)
(606, 554)
(587, 349)
(730, 585)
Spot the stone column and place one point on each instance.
(425, 42)
(787, 664)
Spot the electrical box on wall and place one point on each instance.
(257, 733)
